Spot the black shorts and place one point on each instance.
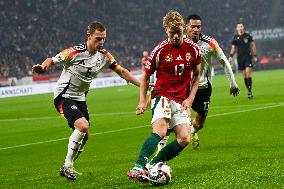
(71, 109)
(244, 62)
(202, 100)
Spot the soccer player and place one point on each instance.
(175, 60)
(244, 43)
(209, 49)
(144, 60)
(81, 64)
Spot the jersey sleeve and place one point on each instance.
(219, 54)
(234, 41)
(69, 54)
(152, 61)
(110, 60)
(250, 38)
(198, 56)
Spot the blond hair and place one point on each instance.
(173, 20)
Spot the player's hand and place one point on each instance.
(186, 104)
(141, 108)
(254, 59)
(234, 91)
(38, 68)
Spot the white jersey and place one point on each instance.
(80, 68)
(209, 48)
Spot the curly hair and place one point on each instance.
(173, 20)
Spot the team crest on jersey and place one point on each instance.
(246, 40)
(167, 112)
(188, 56)
(169, 58)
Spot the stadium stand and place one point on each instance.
(33, 29)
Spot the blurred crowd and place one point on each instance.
(32, 30)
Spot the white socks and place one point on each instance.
(81, 149)
(163, 143)
(75, 142)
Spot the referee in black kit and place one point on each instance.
(246, 54)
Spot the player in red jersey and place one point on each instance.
(175, 61)
(144, 60)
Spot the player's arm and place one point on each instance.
(254, 52)
(64, 56)
(234, 89)
(142, 105)
(41, 68)
(232, 53)
(125, 74)
(186, 104)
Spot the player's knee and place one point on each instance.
(184, 141)
(196, 125)
(199, 123)
(160, 127)
(82, 125)
(161, 133)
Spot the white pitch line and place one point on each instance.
(57, 117)
(122, 113)
(137, 127)
(55, 140)
(249, 110)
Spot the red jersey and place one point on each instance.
(173, 66)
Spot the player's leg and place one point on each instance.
(247, 74)
(164, 141)
(246, 68)
(149, 146)
(198, 124)
(174, 148)
(200, 106)
(180, 122)
(161, 113)
(80, 127)
(242, 67)
(83, 108)
(74, 114)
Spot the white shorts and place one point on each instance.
(163, 107)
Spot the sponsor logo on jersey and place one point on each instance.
(188, 56)
(169, 58)
(74, 107)
(179, 57)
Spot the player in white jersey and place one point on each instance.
(209, 49)
(81, 64)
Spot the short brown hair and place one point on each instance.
(173, 20)
(93, 26)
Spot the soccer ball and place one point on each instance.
(160, 174)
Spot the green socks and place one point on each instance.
(168, 152)
(148, 148)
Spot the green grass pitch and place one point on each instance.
(242, 144)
